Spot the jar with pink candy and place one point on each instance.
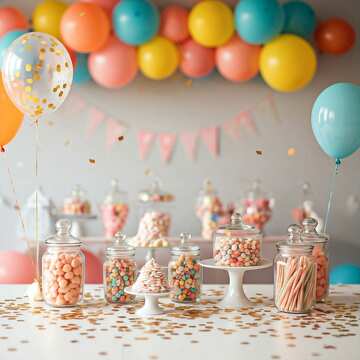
(321, 255)
(237, 244)
(294, 274)
(114, 210)
(63, 268)
(256, 206)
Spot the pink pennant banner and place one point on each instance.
(113, 130)
(96, 118)
(145, 141)
(189, 141)
(167, 143)
(211, 138)
(246, 119)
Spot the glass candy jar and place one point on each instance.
(185, 272)
(63, 268)
(321, 255)
(294, 274)
(119, 271)
(114, 210)
(237, 244)
(155, 217)
(76, 203)
(256, 206)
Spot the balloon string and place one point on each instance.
(331, 194)
(37, 240)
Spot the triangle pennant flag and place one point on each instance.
(246, 119)
(96, 118)
(167, 143)
(210, 137)
(145, 141)
(232, 129)
(189, 141)
(113, 131)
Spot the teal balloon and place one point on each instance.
(81, 73)
(6, 40)
(300, 19)
(135, 22)
(259, 21)
(335, 120)
(345, 274)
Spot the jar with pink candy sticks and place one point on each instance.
(114, 210)
(294, 274)
(63, 268)
(237, 244)
(321, 255)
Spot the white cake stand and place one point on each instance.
(235, 296)
(151, 306)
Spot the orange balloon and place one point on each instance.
(11, 118)
(335, 36)
(12, 19)
(85, 27)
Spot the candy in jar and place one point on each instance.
(294, 274)
(77, 204)
(63, 268)
(321, 256)
(119, 271)
(114, 210)
(185, 272)
(237, 244)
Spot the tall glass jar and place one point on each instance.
(321, 255)
(114, 210)
(155, 217)
(77, 203)
(185, 272)
(119, 271)
(237, 244)
(294, 274)
(63, 268)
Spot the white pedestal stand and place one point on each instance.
(235, 296)
(151, 306)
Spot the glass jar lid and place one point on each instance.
(185, 246)
(294, 245)
(237, 227)
(155, 194)
(120, 246)
(63, 235)
(116, 195)
(309, 232)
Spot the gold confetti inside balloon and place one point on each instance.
(37, 73)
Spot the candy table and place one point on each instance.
(95, 331)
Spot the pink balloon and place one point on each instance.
(174, 23)
(107, 5)
(16, 268)
(93, 268)
(196, 60)
(114, 65)
(237, 60)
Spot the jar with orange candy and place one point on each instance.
(63, 268)
(321, 255)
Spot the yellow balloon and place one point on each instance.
(211, 23)
(47, 16)
(158, 58)
(287, 63)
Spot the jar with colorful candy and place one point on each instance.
(237, 244)
(119, 271)
(185, 272)
(63, 268)
(76, 203)
(155, 217)
(256, 206)
(294, 274)
(114, 210)
(321, 255)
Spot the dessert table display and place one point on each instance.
(96, 330)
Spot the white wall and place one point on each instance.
(172, 106)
